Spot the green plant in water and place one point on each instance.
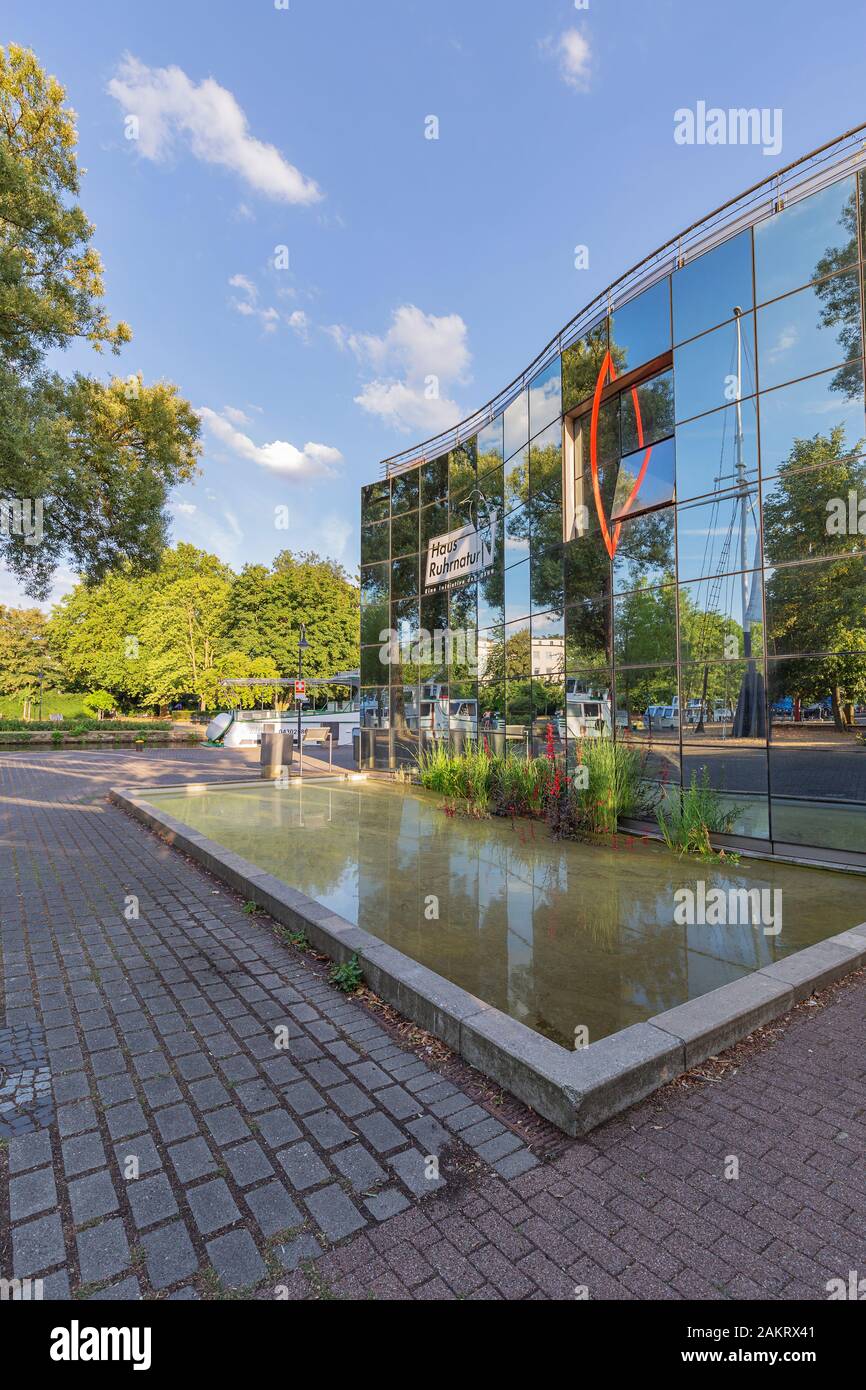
(346, 977)
(695, 813)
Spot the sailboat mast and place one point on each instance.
(744, 500)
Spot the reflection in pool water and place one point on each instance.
(558, 935)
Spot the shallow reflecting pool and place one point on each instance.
(559, 935)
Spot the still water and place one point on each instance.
(558, 935)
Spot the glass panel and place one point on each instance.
(434, 612)
(375, 501)
(374, 601)
(545, 578)
(548, 718)
(800, 423)
(581, 364)
(705, 370)
(374, 707)
(405, 491)
(434, 522)
(373, 669)
(548, 644)
(817, 774)
(491, 489)
(810, 330)
(818, 607)
(463, 625)
(491, 653)
(434, 479)
(404, 577)
(517, 479)
(461, 469)
(647, 413)
(491, 612)
(406, 620)
(739, 775)
(709, 453)
(517, 536)
(812, 237)
(545, 472)
(490, 445)
(709, 288)
(545, 397)
(516, 424)
(712, 625)
(641, 329)
(588, 634)
(517, 649)
(375, 542)
(517, 592)
(647, 703)
(644, 479)
(404, 533)
(645, 627)
(587, 568)
(645, 553)
(718, 536)
(814, 512)
(724, 701)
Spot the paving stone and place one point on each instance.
(499, 1146)
(56, 1286)
(515, 1164)
(92, 1196)
(296, 1252)
(350, 1099)
(32, 1193)
(328, 1129)
(333, 1212)
(74, 1118)
(379, 1131)
(142, 1150)
(102, 1251)
(273, 1208)
(37, 1246)
(478, 1134)
(114, 1089)
(236, 1260)
(226, 1125)
(401, 1105)
(127, 1291)
(277, 1128)
(177, 1122)
(192, 1159)
(151, 1200)
(387, 1203)
(29, 1151)
(255, 1096)
(169, 1255)
(369, 1075)
(125, 1120)
(209, 1093)
(463, 1119)
(411, 1166)
(429, 1133)
(358, 1165)
(248, 1163)
(303, 1098)
(161, 1090)
(212, 1206)
(303, 1167)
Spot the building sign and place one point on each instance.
(464, 554)
(300, 689)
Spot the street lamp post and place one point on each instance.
(303, 644)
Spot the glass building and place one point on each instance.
(658, 531)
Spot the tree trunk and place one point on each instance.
(838, 718)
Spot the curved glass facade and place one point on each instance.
(662, 537)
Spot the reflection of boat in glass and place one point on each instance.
(588, 713)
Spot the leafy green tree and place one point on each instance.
(24, 654)
(99, 458)
(100, 703)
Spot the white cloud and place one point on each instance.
(237, 417)
(314, 460)
(248, 304)
(207, 117)
(183, 508)
(572, 49)
(300, 323)
(420, 359)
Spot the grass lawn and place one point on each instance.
(53, 702)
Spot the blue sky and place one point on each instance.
(304, 128)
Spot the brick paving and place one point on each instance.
(187, 1155)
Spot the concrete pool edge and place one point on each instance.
(576, 1090)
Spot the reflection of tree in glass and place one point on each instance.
(841, 302)
(820, 607)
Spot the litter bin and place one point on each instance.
(276, 751)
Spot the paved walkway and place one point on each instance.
(220, 1119)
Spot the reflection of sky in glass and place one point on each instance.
(707, 450)
(517, 591)
(490, 438)
(708, 537)
(641, 330)
(706, 291)
(793, 341)
(789, 246)
(705, 370)
(803, 410)
(657, 484)
(516, 425)
(545, 397)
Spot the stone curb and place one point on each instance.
(576, 1090)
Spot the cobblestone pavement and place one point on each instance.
(188, 1155)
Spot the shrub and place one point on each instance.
(696, 812)
(82, 725)
(346, 977)
(609, 781)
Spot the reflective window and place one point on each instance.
(545, 577)
(814, 512)
(581, 364)
(810, 238)
(404, 577)
(374, 707)
(646, 703)
(491, 489)
(645, 552)
(405, 491)
(548, 644)
(705, 370)
(491, 653)
(719, 536)
(376, 501)
(461, 469)
(517, 478)
(586, 566)
(375, 542)
(463, 622)
(721, 700)
(518, 648)
(809, 416)
(434, 479)
(641, 329)
(406, 620)
(516, 424)
(709, 288)
(375, 588)
(373, 669)
(645, 479)
(647, 412)
(517, 592)
(404, 533)
(434, 522)
(545, 397)
(714, 450)
(645, 627)
(721, 618)
(817, 607)
(491, 612)
(517, 536)
(588, 634)
(810, 330)
(434, 611)
(490, 445)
